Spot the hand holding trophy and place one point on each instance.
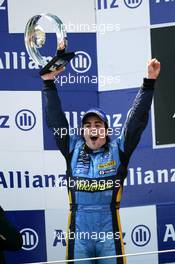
(35, 38)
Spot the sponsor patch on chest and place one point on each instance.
(107, 164)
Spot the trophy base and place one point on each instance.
(57, 62)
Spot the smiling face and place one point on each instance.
(94, 132)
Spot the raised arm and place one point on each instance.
(55, 117)
(137, 118)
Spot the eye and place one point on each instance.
(98, 125)
(87, 126)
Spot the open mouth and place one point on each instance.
(94, 138)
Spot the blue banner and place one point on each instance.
(166, 231)
(162, 11)
(19, 72)
(31, 225)
(150, 174)
(3, 16)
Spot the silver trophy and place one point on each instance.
(35, 38)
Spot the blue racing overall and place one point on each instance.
(95, 178)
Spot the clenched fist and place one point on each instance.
(153, 68)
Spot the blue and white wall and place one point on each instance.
(114, 40)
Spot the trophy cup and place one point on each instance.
(35, 38)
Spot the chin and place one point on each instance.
(95, 146)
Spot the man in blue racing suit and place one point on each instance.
(96, 169)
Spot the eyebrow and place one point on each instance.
(96, 122)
